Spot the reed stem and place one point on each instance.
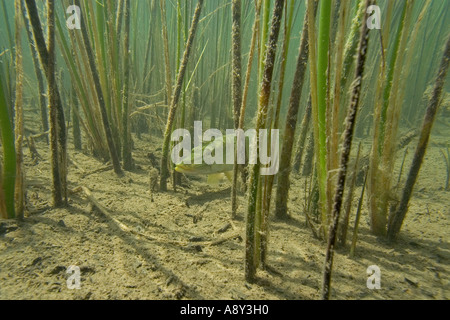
(251, 251)
(291, 123)
(347, 144)
(236, 90)
(126, 134)
(176, 97)
(9, 157)
(19, 132)
(38, 72)
(100, 97)
(58, 139)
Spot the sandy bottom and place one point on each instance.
(164, 245)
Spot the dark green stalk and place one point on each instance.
(37, 70)
(126, 135)
(396, 219)
(19, 131)
(176, 97)
(236, 60)
(264, 35)
(165, 38)
(250, 245)
(51, 84)
(291, 123)
(284, 57)
(9, 155)
(269, 180)
(320, 105)
(347, 144)
(99, 92)
(255, 32)
(236, 88)
(58, 137)
(179, 29)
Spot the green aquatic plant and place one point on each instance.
(176, 97)
(253, 220)
(126, 134)
(38, 71)
(291, 123)
(168, 72)
(386, 120)
(100, 96)
(90, 118)
(346, 148)
(255, 32)
(236, 90)
(8, 175)
(397, 217)
(269, 180)
(19, 195)
(58, 139)
(320, 107)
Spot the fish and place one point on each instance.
(215, 172)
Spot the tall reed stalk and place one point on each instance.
(165, 37)
(176, 97)
(100, 96)
(126, 134)
(347, 145)
(319, 76)
(9, 157)
(387, 113)
(251, 250)
(237, 90)
(37, 70)
(19, 130)
(58, 139)
(269, 180)
(291, 122)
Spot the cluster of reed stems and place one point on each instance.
(124, 78)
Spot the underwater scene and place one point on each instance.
(224, 150)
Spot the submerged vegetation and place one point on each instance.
(105, 73)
